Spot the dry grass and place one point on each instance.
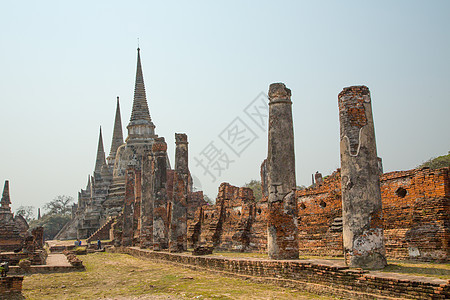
(120, 276)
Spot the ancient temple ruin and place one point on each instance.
(135, 198)
(13, 229)
(130, 193)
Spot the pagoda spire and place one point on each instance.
(5, 202)
(117, 139)
(141, 126)
(140, 110)
(100, 161)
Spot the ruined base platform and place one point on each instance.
(56, 263)
(315, 276)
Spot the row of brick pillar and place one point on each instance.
(361, 196)
(155, 213)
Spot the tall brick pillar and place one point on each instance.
(146, 231)
(178, 225)
(159, 194)
(137, 207)
(282, 202)
(360, 182)
(128, 211)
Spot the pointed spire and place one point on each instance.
(140, 110)
(39, 213)
(5, 202)
(141, 126)
(117, 139)
(100, 161)
(88, 186)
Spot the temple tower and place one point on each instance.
(6, 201)
(178, 226)
(282, 203)
(361, 195)
(141, 135)
(117, 138)
(100, 161)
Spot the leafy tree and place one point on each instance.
(437, 162)
(52, 224)
(58, 213)
(60, 205)
(255, 185)
(27, 212)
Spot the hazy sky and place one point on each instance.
(205, 64)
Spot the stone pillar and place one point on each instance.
(159, 194)
(127, 228)
(360, 182)
(137, 207)
(282, 216)
(146, 232)
(178, 224)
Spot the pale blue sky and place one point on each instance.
(62, 64)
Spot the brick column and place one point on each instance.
(159, 194)
(137, 207)
(127, 228)
(146, 232)
(282, 202)
(360, 183)
(178, 225)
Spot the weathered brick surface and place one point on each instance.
(282, 242)
(146, 214)
(179, 199)
(12, 228)
(315, 276)
(320, 218)
(416, 223)
(128, 214)
(362, 223)
(416, 227)
(10, 286)
(159, 195)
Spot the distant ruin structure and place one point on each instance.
(361, 195)
(282, 214)
(13, 229)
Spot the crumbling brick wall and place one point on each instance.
(416, 205)
(320, 218)
(227, 224)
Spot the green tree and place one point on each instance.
(437, 162)
(61, 205)
(58, 213)
(52, 224)
(27, 212)
(255, 185)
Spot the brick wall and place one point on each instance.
(10, 286)
(416, 206)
